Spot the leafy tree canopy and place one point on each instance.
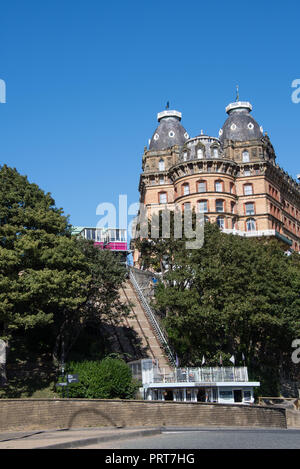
(233, 296)
(49, 279)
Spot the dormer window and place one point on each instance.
(185, 156)
(161, 165)
(215, 152)
(200, 153)
(245, 156)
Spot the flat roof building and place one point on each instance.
(224, 385)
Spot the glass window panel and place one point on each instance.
(161, 165)
(199, 153)
(219, 206)
(163, 198)
(250, 208)
(186, 189)
(251, 226)
(202, 186)
(202, 206)
(248, 190)
(219, 186)
(245, 156)
(220, 222)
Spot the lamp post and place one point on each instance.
(63, 364)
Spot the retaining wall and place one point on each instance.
(24, 414)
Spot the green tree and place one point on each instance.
(233, 296)
(106, 274)
(49, 279)
(42, 271)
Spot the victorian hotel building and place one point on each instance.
(234, 179)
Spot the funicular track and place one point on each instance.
(145, 327)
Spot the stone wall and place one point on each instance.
(25, 414)
(293, 418)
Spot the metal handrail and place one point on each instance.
(152, 319)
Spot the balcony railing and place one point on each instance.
(203, 375)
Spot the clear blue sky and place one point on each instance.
(85, 80)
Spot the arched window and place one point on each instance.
(250, 224)
(162, 197)
(201, 186)
(219, 205)
(245, 156)
(185, 189)
(248, 189)
(221, 222)
(219, 186)
(202, 206)
(200, 153)
(161, 165)
(215, 152)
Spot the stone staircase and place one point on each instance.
(140, 323)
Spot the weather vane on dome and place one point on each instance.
(168, 105)
(237, 93)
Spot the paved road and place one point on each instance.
(211, 439)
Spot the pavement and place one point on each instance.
(70, 438)
(74, 438)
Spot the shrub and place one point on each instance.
(109, 379)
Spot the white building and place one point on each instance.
(225, 385)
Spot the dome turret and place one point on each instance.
(170, 132)
(240, 125)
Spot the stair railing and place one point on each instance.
(156, 327)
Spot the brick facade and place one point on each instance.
(253, 194)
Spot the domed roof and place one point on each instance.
(240, 125)
(169, 132)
